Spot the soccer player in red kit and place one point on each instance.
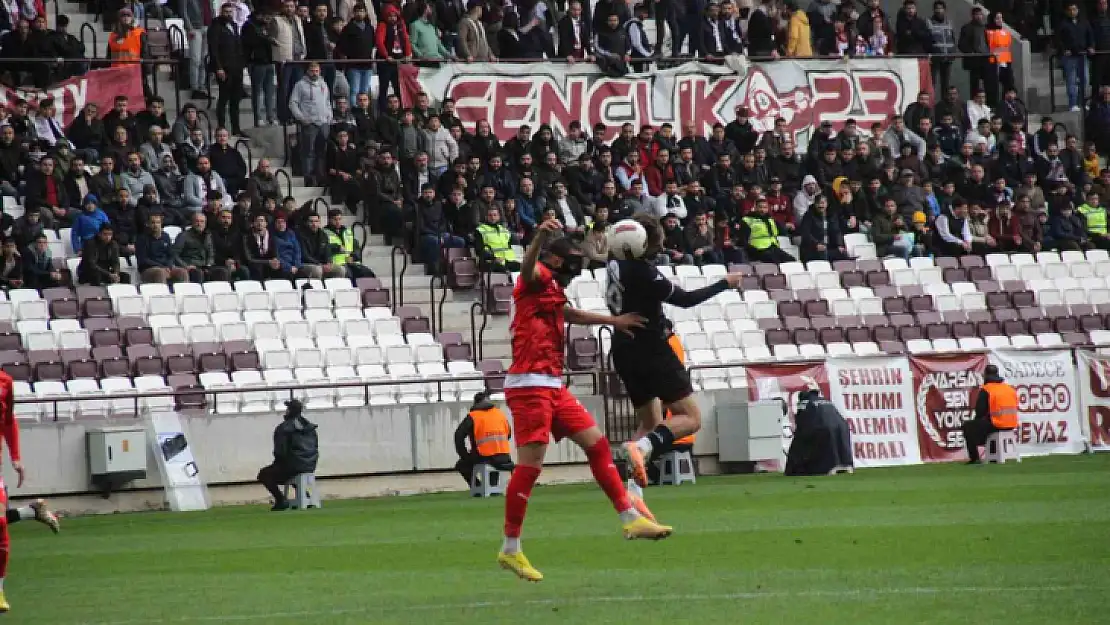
(9, 434)
(541, 405)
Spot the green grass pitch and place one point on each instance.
(947, 544)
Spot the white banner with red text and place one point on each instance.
(99, 86)
(908, 410)
(804, 93)
(1094, 379)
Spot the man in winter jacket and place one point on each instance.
(87, 223)
(317, 251)
(195, 249)
(296, 451)
(393, 46)
(310, 105)
(100, 260)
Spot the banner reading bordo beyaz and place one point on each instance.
(873, 396)
(804, 93)
(784, 382)
(100, 87)
(1094, 380)
(1047, 399)
(944, 393)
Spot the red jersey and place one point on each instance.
(537, 329)
(9, 429)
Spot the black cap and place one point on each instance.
(294, 405)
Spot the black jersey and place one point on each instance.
(637, 287)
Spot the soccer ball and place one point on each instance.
(628, 240)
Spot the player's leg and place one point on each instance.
(531, 409)
(37, 511)
(574, 422)
(673, 387)
(4, 549)
(649, 416)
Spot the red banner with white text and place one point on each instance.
(944, 392)
(99, 86)
(784, 382)
(804, 93)
(1094, 380)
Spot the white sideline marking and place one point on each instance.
(586, 600)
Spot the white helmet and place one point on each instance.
(628, 240)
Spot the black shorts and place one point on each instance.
(651, 370)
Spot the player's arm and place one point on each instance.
(532, 256)
(625, 323)
(674, 295)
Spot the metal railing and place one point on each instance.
(210, 401)
(398, 279)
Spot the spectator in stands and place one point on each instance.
(700, 240)
(227, 243)
(982, 242)
(11, 266)
(435, 230)
(493, 242)
(357, 41)
(87, 223)
(596, 243)
(153, 116)
(289, 250)
(259, 56)
(575, 38)
(310, 106)
(86, 133)
(261, 252)
(100, 260)
(952, 234)
(46, 194)
(426, 43)
(288, 41)
(342, 241)
(888, 232)
(11, 161)
(820, 233)
(169, 185)
(196, 251)
(761, 33)
(27, 228)
(385, 189)
(317, 251)
(263, 183)
(1094, 217)
(318, 45)
(185, 124)
(135, 178)
(46, 126)
(156, 256)
(38, 265)
(189, 153)
(1075, 40)
(1005, 229)
(943, 43)
(228, 162)
(155, 148)
(197, 186)
(799, 37)
(393, 47)
(675, 250)
(973, 42)
(759, 236)
(296, 451)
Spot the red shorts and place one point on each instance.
(540, 413)
(3, 495)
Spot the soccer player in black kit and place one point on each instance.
(656, 380)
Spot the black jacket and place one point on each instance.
(1075, 37)
(315, 248)
(815, 229)
(255, 39)
(225, 46)
(296, 445)
(761, 34)
(99, 261)
(357, 43)
(566, 37)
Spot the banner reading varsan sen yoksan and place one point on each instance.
(802, 92)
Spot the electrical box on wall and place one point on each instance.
(117, 455)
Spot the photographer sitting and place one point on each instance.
(296, 451)
(488, 431)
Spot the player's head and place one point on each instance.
(655, 234)
(565, 259)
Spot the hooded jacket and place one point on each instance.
(288, 249)
(86, 224)
(310, 102)
(296, 445)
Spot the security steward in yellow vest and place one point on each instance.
(342, 242)
(494, 243)
(487, 430)
(1094, 214)
(996, 410)
(686, 443)
(760, 236)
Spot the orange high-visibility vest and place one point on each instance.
(491, 432)
(999, 41)
(1003, 405)
(676, 345)
(128, 48)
